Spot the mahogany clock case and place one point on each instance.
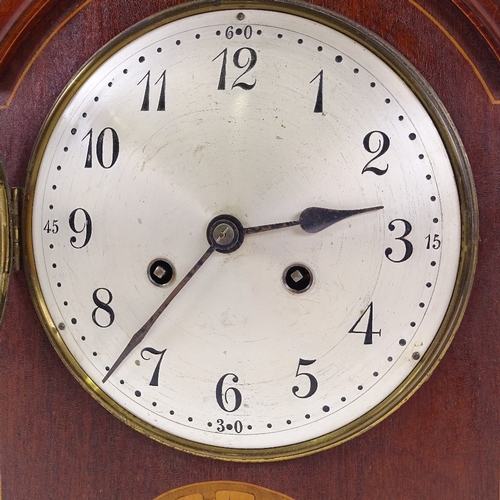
(57, 442)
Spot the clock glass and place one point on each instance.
(250, 231)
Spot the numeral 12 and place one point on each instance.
(247, 65)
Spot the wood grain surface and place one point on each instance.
(16, 18)
(57, 443)
(485, 15)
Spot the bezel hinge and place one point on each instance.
(16, 197)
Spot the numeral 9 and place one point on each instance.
(86, 226)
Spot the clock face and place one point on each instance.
(161, 154)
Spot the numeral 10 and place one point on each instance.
(107, 139)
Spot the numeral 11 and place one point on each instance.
(161, 100)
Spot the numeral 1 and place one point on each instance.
(318, 107)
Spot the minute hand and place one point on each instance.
(138, 337)
(313, 219)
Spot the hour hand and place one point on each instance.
(313, 219)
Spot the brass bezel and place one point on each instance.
(5, 239)
(469, 229)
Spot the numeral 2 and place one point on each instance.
(381, 148)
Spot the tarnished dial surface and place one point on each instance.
(255, 115)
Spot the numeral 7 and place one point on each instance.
(156, 374)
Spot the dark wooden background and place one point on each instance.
(57, 443)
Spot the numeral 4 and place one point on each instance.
(367, 319)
